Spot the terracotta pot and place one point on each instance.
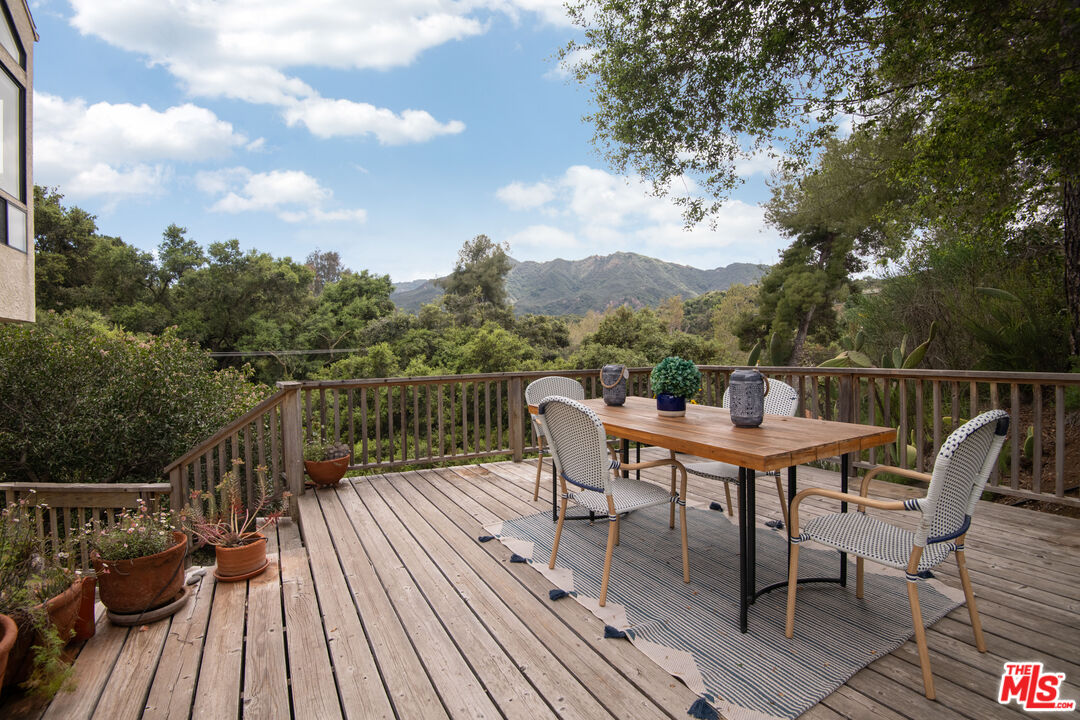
(85, 624)
(8, 632)
(63, 611)
(240, 563)
(327, 472)
(139, 584)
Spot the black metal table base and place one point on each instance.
(748, 590)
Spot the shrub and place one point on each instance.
(85, 403)
(676, 376)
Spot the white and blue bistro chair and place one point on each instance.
(781, 399)
(536, 391)
(961, 470)
(579, 448)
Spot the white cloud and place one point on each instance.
(563, 69)
(243, 50)
(292, 195)
(330, 118)
(597, 212)
(544, 238)
(762, 162)
(121, 149)
(518, 196)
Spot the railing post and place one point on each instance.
(292, 443)
(177, 496)
(844, 401)
(517, 420)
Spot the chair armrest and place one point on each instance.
(892, 469)
(660, 463)
(861, 500)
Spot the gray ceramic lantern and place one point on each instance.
(613, 379)
(746, 397)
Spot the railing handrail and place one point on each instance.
(223, 433)
(93, 488)
(916, 373)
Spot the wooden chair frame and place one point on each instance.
(863, 502)
(613, 524)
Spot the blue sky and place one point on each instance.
(390, 131)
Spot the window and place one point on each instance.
(11, 147)
(9, 42)
(16, 227)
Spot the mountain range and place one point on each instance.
(563, 287)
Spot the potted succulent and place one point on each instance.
(326, 463)
(139, 561)
(40, 597)
(674, 380)
(221, 519)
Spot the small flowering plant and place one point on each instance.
(136, 533)
(30, 573)
(223, 520)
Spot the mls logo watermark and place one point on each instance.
(1032, 689)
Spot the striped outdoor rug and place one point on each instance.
(691, 630)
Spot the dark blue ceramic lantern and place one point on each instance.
(746, 397)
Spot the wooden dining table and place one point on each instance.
(779, 442)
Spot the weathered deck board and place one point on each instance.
(391, 608)
(266, 690)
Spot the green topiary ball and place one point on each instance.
(676, 376)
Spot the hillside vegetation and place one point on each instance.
(599, 282)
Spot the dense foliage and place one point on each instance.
(976, 99)
(86, 403)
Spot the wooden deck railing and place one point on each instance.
(396, 423)
(258, 439)
(62, 510)
(404, 422)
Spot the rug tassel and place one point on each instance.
(557, 594)
(486, 538)
(611, 632)
(715, 506)
(702, 709)
(515, 558)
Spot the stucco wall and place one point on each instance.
(16, 284)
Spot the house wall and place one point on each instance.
(16, 266)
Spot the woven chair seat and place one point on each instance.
(860, 534)
(720, 471)
(627, 494)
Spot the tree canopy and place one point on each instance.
(980, 95)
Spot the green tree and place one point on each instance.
(221, 302)
(327, 268)
(494, 349)
(345, 308)
(982, 94)
(477, 286)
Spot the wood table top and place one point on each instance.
(707, 432)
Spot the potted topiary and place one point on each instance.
(673, 380)
(326, 463)
(139, 563)
(222, 520)
(41, 597)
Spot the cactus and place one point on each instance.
(774, 355)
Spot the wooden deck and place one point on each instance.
(391, 608)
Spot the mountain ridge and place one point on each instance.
(597, 282)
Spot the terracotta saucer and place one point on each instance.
(149, 616)
(245, 576)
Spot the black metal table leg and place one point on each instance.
(625, 451)
(843, 509)
(743, 590)
(751, 529)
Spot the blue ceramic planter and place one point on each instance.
(670, 405)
